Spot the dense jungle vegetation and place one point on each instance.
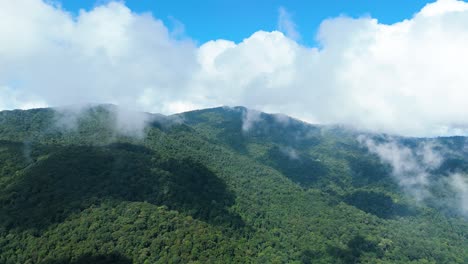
(198, 188)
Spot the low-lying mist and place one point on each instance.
(421, 170)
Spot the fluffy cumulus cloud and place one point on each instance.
(106, 55)
(406, 78)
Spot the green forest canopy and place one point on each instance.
(206, 191)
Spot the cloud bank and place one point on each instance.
(406, 78)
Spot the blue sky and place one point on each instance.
(206, 20)
(387, 66)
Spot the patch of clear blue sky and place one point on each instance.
(206, 20)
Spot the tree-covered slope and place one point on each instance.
(210, 186)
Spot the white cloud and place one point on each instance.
(413, 169)
(10, 98)
(286, 24)
(290, 152)
(406, 78)
(459, 183)
(249, 118)
(410, 167)
(107, 55)
(442, 7)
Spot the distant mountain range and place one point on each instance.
(224, 185)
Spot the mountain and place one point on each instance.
(223, 185)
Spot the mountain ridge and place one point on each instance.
(271, 194)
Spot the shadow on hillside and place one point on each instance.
(233, 135)
(368, 169)
(71, 178)
(99, 259)
(378, 204)
(299, 168)
(349, 253)
(267, 129)
(13, 157)
(356, 247)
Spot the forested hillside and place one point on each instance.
(218, 186)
